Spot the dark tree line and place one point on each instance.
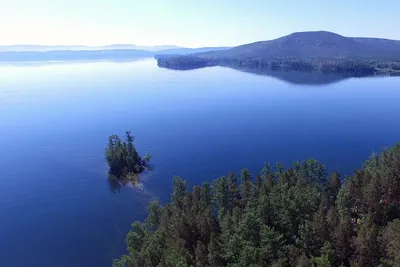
(184, 62)
(343, 67)
(394, 65)
(125, 164)
(298, 216)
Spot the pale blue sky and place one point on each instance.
(189, 22)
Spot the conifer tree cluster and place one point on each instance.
(298, 216)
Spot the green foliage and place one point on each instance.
(221, 195)
(326, 258)
(366, 244)
(214, 252)
(289, 218)
(391, 244)
(125, 164)
(179, 62)
(155, 213)
(179, 192)
(311, 170)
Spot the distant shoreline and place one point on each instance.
(344, 67)
(108, 54)
(60, 61)
(73, 55)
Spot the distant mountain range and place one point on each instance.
(300, 51)
(18, 53)
(66, 55)
(187, 51)
(45, 48)
(311, 45)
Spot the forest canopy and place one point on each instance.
(125, 164)
(297, 216)
(341, 67)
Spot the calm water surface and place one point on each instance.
(56, 208)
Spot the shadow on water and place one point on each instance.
(114, 183)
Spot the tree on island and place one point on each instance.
(124, 161)
(290, 217)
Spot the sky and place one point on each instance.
(189, 23)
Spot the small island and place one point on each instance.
(125, 164)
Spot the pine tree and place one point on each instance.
(214, 252)
(155, 213)
(326, 258)
(222, 195)
(332, 188)
(272, 243)
(201, 255)
(268, 178)
(234, 194)
(390, 241)
(179, 192)
(366, 244)
(342, 241)
(246, 186)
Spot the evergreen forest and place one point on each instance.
(296, 216)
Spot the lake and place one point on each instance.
(56, 208)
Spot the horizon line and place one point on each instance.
(179, 46)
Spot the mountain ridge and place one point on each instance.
(319, 51)
(156, 48)
(313, 44)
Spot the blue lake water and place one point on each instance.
(56, 208)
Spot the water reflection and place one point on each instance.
(312, 78)
(188, 121)
(115, 183)
(297, 77)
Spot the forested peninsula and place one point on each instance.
(320, 51)
(296, 216)
(342, 67)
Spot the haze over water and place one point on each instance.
(56, 208)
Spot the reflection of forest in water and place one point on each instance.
(296, 77)
(306, 77)
(116, 183)
(290, 76)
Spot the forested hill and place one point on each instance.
(320, 51)
(287, 217)
(311, 45)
